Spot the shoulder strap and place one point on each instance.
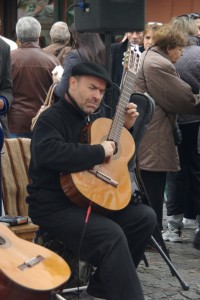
(49, 98)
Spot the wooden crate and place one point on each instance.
(26, 232)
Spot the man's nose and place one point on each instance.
(97, 94)
(134, 34)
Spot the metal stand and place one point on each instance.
(76, 289)
(184, 285)
(108, 51)
(66, 291)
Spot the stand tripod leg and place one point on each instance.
(184, 285)
(54, 295)
(157, 235)
(145, 261)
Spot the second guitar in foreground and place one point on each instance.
(29, 271)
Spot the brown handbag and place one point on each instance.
(47, 103)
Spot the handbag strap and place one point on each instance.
(48, 101)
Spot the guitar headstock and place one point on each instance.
(131, 59)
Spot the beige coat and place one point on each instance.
(157, 151)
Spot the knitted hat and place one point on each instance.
(92, 69)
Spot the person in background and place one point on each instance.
(116, 238)
(6, 95)
(157, 154)
(134, 37)
(117, 53)
(149, 29)
(84, 47)
(32, 76)
(60, 37)
(183, 187)
(196, 18)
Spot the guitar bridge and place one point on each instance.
(31, 262)
(104, 177)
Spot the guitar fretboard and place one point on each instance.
(134, 56)
(118, 121)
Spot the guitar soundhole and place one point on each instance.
(116, 149)
(116, 146)
(2, 241)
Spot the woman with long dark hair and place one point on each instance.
(85, 47)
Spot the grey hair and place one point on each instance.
(187, 25)
(28, 29)
(59, 32)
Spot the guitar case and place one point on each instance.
(146, 107)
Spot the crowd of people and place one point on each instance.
(85, 91)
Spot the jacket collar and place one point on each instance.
(76, 108)
(158, 50)
(29, 45)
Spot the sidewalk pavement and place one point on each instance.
(157, 280)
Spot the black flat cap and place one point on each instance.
(92, 69)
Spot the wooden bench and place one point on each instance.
(15, 160)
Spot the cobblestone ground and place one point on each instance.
(157, 280)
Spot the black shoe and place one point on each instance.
(196, 242)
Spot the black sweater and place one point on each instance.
(56, 147)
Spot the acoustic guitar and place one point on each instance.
(29, 271)
(107, 186)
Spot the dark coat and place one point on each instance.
(5, 82)
(117, 55)
(188, 68)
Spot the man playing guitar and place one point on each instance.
(113, 241)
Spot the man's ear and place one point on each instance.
(168, 48)
(72, 82)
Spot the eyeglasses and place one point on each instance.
(154, 23)
(191, 16)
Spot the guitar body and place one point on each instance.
(83, 187)
(29, 271)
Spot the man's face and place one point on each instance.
(87, 91)
(135, 37)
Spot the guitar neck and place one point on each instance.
(126, 90)
(119, 117)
